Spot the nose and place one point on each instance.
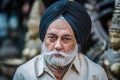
(58, 45)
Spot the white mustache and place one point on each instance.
(59, 53)
(51, 58)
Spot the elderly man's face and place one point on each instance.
(60, 38)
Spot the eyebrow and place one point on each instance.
(51, 34)
(66, 35)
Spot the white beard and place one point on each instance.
(66, 58)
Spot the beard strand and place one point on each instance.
(51, 59)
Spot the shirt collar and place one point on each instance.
(41, 66)
(77, 63)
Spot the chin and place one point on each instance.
(58, 61)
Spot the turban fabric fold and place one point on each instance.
(74, 13)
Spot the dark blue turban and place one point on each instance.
(74, 13)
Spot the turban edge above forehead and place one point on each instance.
(74, 13)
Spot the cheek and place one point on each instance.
(49, 45)
(69, 47)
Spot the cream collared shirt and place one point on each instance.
(81, 69)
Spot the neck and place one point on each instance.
(58, 71)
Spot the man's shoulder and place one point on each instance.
(93, 67)
(95, 71)
(29, 64)
(27, 69)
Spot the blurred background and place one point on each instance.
(19, 27)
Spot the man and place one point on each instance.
(64, 28)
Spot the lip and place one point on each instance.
(58, 56)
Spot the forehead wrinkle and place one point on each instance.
(61, 24)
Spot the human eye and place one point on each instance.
(51, 38)
(66, 40)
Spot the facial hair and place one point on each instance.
(51, 59)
